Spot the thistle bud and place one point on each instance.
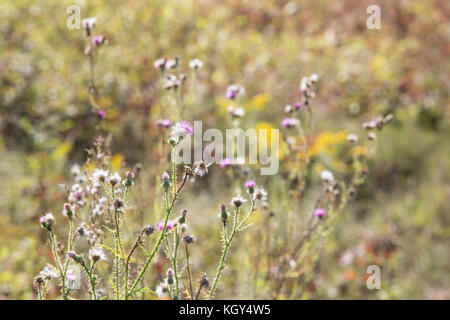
(170, 275)
(189, 239)
(72, 255)
(118, 203)
(165, 180)
(182, 218)
(172, 141)
(47, 221)
(148, 229)
(223, 213)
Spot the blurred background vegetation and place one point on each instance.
(400, 219)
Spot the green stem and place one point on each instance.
(58, 264)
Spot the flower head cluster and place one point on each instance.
(195, 64)
(290, 122)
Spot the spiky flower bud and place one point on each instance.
(189, 239)
(165, 180)
(148, 229)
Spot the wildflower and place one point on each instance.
(172, 63)
(233, 91)
(98, 40)
(238, 201)
(313, 78)
(225, 163)
(170, 273)
(172, 82)
(304, 84)
(297, 106)
(170, 225)
(251, 186)
(118, 203)
(369, 125)
(114, 179)
(320, 212)
(290, 122)
(47, 221)
(195, 64)
(88, 24)
(81, 230)
(129, 176)
(148, 229)
(101, 114)
(49, 272)
(327, 176)
(352, 138)
(261, 194)
(164, 123)
(288, 108)
(162, 290)
(99, 176)
(201, 168)
(68, 210)
(75, 170)
(372, 136)
(189, 239)
(72, 255)
(96, 254)
(160, 64)
(237, 113)
(165, 180)
(182, 129)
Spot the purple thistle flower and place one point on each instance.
(101, 114)
(320, 212)
(182, 129)
(170, 225)
(289, 122)
(98, 40)
(298, 106)
(250, 184)
(164, 123)
(225, 163)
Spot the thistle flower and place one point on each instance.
(182, 129)
(327, 176)
(129, 176)
(189, 239)
(101, 114)
(75, 170)
(162, 290)
(47, 221)
(170, 225)
(88, 24)
(288, 108)
(320, 212)
(182, 217)
(238, 201)
(114, 179)
(290, 122)
(119, 203)
(68, 210)
(236, 112)
(260, 194)
(160, 64)
(225, 163)
(201, 168)
(352, 138)
(99, 176)
(233, 91)
(96, 254)
(172, 63)
(372, 136)
(166, 123)
(98, 40)
(49, 272)
(165, 180)
(195, 64)
(148, 229)
(298, 106)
